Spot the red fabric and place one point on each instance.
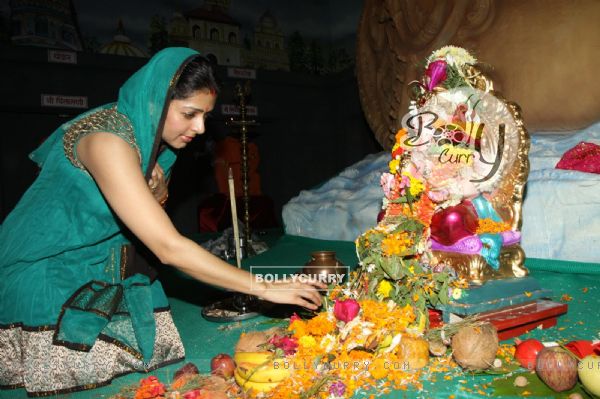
(582, 349)
(228, 155)
(584, 157)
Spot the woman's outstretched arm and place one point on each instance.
(115, 167)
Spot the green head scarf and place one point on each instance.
(144, 99)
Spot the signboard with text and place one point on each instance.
(58, 100)
(241, 73)
(62, 56)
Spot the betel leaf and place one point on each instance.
(536, 388)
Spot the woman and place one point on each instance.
(76, 308)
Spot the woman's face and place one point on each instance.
(185, 118)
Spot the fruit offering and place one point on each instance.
(557, 368)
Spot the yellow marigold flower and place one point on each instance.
(416, 185)
(384, 288)
(307, 341)
(415, 297)
(396, 244)
(394, 165)
(411, 269)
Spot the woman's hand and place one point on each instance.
(158, 184)
(297, 293)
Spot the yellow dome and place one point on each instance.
(121, 45)
(122, 48)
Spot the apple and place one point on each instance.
(557, 368)
(222, 365)
(589, 373)
(526, 352)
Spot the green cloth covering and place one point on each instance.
(62, 235)
(203, 339)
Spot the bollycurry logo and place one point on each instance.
(463, 126)
(272, 274)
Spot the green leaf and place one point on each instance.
(536, 387)
(506, 368)
(443, 296)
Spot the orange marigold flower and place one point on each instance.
(424, 210)
(566, 297)
(298, 327)
(400, 135)
(150, 388)
(320, 325)
(395, 209)
(491, 227)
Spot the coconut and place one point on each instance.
(475, 347)
(252, 342)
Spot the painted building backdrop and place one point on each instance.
(303, 84)
(314, 36)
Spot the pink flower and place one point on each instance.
(436, 72)
(194, 394)
(287, 344)
(346, 310)
(387, 183)
(294, 318)
(438, 196)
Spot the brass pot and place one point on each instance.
(324, 266)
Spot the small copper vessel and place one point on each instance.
(324, 266)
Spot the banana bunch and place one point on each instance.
(259, 370)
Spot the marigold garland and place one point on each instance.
(489, 226)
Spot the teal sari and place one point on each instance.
(71, 316)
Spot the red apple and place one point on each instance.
(557, 368)
(526, 352)
(222, 365)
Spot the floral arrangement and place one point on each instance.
(351, 347)
(394, 254)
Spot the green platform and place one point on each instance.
(203, 339)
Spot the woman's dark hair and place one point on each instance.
(196, 75)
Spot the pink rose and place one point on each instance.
(346, 310)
